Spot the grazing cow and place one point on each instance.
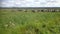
(42, 10)
(25, 11)
(53, 11)
(38, 10)
(57, 10)
(33, 10)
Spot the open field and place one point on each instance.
(29, 22)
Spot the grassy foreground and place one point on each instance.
(29, 22)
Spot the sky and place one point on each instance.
(29, 3)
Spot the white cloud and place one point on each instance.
(30, 3)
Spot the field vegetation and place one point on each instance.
(20, 22)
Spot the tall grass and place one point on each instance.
(29, 22)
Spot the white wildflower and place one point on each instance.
(6, 25)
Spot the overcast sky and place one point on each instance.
(29, 3)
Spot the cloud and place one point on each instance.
(30, 3)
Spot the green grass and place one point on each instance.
(29, 22)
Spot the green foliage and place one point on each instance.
(29, 22)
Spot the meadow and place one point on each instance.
(15, 22)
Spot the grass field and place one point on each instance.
(29, 22)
